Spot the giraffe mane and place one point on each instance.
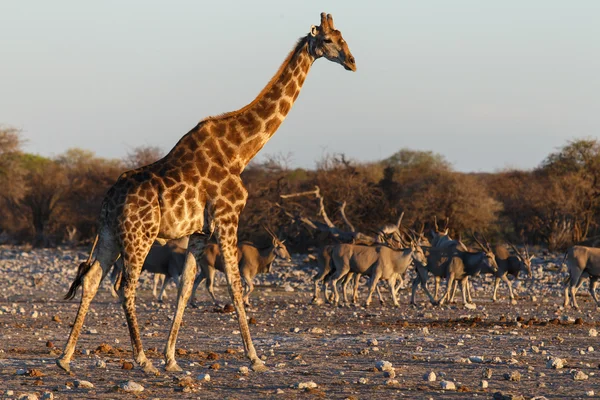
(299, 45)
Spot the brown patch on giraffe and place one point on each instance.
(273, 124)
(265, 109)
(216, 173)
(301, 79)
(232, 190)
(274, 93)
(286, 76)
(250, 123)
(219, 129)
(187, 157)
(251, 146)
(201, 162)
(223, 206)
(291, 88)
(190, 194)
(284, 107)
(227, 150)
(235, 136)
(211, 189)
(296, 95)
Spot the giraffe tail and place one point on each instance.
(82, 270)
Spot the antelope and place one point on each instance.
(165, 260)
(251, 261)
(582, 260)
(442, 249)
(379, 263)
(464, 264)
(510, 265)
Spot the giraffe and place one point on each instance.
(196, 187)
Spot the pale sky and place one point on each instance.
(488, 84)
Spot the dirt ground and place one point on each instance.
(335, 347)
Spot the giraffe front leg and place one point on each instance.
(186, 284)
(132, 267)
(227, 238)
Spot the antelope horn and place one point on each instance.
(400, 220)
(487, 244)
(435, 223)
(516, 250)
(478, 242)
(447, 222)
(269, 231)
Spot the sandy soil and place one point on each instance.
(335, 347)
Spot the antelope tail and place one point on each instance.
(83, 269)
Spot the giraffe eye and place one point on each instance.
(327, 40)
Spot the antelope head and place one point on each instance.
(278, 246)
(489, 259)
(326, 41)
(525, 259)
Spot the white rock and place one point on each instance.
(84, 384)
(593, 332)
(391, 382)
(35, 314)
(484, 384)
(448, 385)
(590, 393)
(555, 363)
(383, 365)
(9, 393)
(203, 377)
(100, 364)
(431, 377)
(470, 306)
(307, 385)
(372, 342)
(580, 376)
(131, 386)
(476, 359)
(243, 370)
(28, 396)
(363, 381)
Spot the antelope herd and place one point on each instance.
(390, 258)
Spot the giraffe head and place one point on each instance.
(326, 41)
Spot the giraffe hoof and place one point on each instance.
(149, 369)
(63, 364)
(172, 366)
(258, 366)
(513, 302)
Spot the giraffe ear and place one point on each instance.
(314, 30)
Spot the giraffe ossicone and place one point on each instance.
(195, 187)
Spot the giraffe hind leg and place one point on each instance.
(89, 277)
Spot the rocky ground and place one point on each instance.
(534, 348)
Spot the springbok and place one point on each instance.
(251, 261)
(582, 260)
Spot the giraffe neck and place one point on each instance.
(251, 127)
